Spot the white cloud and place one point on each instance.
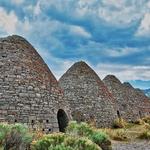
(118, 52)
(148, 4)
(79, 31)
(116, 12)
(64, 65)
(37, 8)
(83, 3)
(17, 2)
(8, 21)
(10, 24)
(34, 9)
(26, 25)
(123, 72)
(116, 3)
(58, 66)
(144, 28)
(122, 12)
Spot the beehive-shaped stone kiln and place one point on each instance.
(88, 97)
(141, 101)
(29, 92)
(129, 101)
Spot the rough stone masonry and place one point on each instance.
(87, 95)
(131, 103)
(30, 94)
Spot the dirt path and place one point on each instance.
(135, 145)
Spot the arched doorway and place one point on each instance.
(62, 120)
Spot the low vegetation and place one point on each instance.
(146, 119)
(124, 131)
(93, 134)
(15, 137)
(119, 123)
(59, 141)
(116, 134)
(78, 136)
(144, 135)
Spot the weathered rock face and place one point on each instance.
(89, 99)
(29, 92)
(128, 101)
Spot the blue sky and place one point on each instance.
(112, 36)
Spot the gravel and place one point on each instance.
(135, 145)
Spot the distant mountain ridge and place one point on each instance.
(147, 92)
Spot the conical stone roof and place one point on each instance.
(29, 92)
(87, 95)
(127, 98)
(143, 102)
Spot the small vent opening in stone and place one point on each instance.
(140, 114)
(118, 114)
(32, 121)
(4, 56)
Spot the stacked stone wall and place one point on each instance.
(131, 103)
(88, 97)
(29, 92)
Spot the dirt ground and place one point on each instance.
(133, 145)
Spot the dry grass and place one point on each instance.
(116, 134)
(139, 122)
(146, 119)
(119, 123)
(145, 135)
(129, 131)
